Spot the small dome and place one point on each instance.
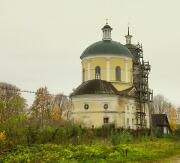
(106, 47)
(107, 26)
(95, 87)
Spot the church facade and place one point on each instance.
(109, 93)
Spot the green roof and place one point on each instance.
(106, 47)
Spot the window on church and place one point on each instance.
(97, 72)
(145, 123)
(133, 123)
(106, 120)
(118, 73)
(105, 106)
(127, 108)
(127, 122)
(86, 106)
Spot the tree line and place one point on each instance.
(48, 119)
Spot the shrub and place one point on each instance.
(177, 132)
(158, 132)
(2, 136)
(46, 134)
(16, 129)
(119, 138)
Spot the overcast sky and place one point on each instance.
(41, 40)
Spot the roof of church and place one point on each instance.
(95, 86)
(127, 92)
(106, 47)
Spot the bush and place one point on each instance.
(158, 132)
(177, 132)
(15, 129)
(122, 137)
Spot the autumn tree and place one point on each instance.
(172, 117)
(178, 117)
(56, 108)
(41, 107)
(11, 102)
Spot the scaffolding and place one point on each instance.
(144, 96)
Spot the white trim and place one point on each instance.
(126, 70)
(107, 56)
(89, 72)
(107, 70)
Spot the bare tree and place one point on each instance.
(63, 103)
(66, 108)
(161, 105)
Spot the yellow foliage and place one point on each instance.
(56, 114)
(173, 113)
(2, 136)
(172, 118)
(173, 125)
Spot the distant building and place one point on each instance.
(160, 122)
(114, 87)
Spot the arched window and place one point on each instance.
(118, 73)
(97, 72)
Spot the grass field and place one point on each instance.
(138, 151)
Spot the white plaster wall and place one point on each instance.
(96, 112)
(117, 110)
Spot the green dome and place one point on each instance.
(106, 47)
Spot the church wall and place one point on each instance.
(121, 111)
(93, 119)
(128, 107)
(85, 69)
(108, 65)
(96, 113)
(147, 117)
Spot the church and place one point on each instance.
(114, 88)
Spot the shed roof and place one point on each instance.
(160, 120)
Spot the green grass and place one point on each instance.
(138, 151)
